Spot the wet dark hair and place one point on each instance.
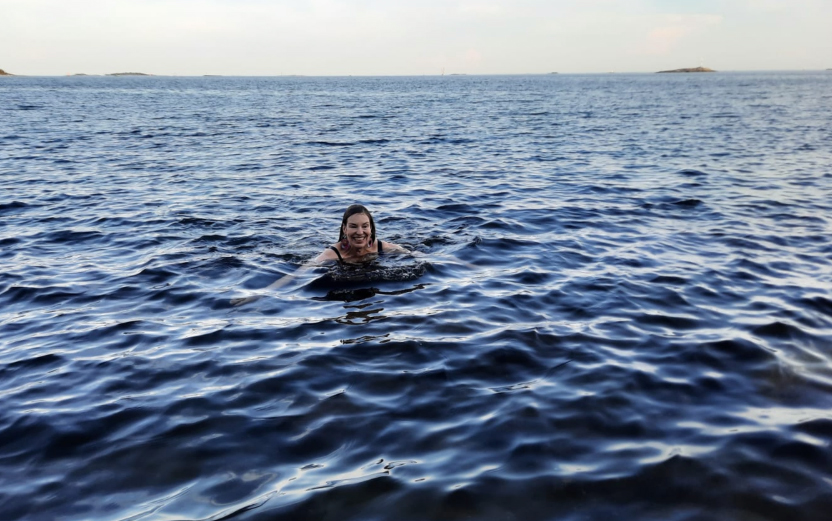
(352, 210)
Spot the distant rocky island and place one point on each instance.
(128, 74)
(694, 69)
(4, 73)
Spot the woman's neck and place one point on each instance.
(360, 252)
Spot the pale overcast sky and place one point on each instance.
(398, 37)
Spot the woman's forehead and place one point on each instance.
(358, 218)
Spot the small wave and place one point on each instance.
(455, 208)
(781, 330)
(14, 205)
(673, 204)
(819, 304)
(35, 362)
(669, 279)
(692, 173)
(668, 321)
(449, 141)
(819, 427)
(37, 295)
(199, 222)
(688, 203)
(331, 143)
(74, 236)
(725, 352)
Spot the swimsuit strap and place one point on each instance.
(380, 249)
(338, 253)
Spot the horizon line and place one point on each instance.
(553, 73)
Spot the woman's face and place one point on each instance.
(358, 231)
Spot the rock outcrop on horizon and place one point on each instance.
(694, 69)
(4, 73)
(128, 74)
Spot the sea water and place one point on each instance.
(620, 307)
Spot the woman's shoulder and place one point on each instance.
(330, 253)
(390, 246)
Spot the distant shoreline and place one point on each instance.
(693, 69)
(561, 73)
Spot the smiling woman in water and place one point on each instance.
(357, 242)
(357, 239)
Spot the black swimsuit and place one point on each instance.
(341, 259)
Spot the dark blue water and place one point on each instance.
(622, 310)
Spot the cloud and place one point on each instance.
(768, 5)
(670, 30)
(481, 8)
(472, 57)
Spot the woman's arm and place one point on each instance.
(326, 255)
(390, 247)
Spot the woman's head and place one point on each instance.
(354, 223)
